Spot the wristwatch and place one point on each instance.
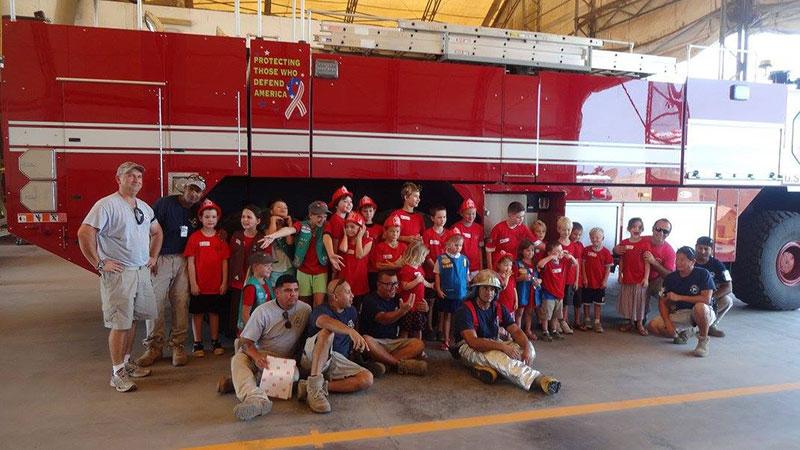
(100, 265)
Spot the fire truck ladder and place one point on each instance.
(490, 45)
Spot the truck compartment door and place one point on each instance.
(734, 133)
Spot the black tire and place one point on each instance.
(755, 275)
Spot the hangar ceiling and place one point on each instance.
(660, 27)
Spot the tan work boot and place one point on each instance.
(317, 397)
(548, 384)
(224, 385)
(251, 408)
(179, 356)
(412, 367)
(150, 356)
(485, 374)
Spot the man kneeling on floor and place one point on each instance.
(332, 336)
(478, 323)
(685, 301)
(380, 317)
(273, 329)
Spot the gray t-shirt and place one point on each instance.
(119, 236)
(267, 327)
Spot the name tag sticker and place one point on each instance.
(503, 241)
(628, 247)
(205, 244)
(726, 275)
(557, 270)
(405, 218)
(184, 231)
(467, 235)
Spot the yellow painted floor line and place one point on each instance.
(317, 439)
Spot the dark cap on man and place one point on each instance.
(688, 252)
(705, 240)
(318, 207)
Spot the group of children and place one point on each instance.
(433, 265)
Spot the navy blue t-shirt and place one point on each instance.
(698, 280)
(715, 266)
(172, 216)
(341, 342)
(372, 306)
(487, 327)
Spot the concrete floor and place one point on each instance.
(55, 389)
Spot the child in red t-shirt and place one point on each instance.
(577, 251)
(387, 255)
(473, 235)
(634, 272)
(552, 271)
(508, 294)
(412, 224)
(564, 229)
(354, 248)
(207, 256)
(367, 207)
(342, 204)
(413, 282)
(507, 234)
(596, 262)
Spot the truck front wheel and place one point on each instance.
(766, 273)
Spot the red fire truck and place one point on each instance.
(487, 114)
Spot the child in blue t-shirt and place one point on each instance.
(451, 273)
(528, 283)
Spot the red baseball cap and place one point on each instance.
(208, 204)
(467, 204)
(338, 194)
(392, 221)
(356, 218)
(367, 201)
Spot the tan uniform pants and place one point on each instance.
(171, 282)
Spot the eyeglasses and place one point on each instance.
(666, 231)
(390, 284)
(139, 214)
(288, 323)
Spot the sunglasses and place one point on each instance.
(666, 231)
(288, 323)
(139, 215)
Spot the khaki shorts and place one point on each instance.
(337, 367)
(682, 319)
(312, 284)
(127, 296)
(391, 345)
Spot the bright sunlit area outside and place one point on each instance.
(769, 52)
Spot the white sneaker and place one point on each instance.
(121, 382)
(702, 347)
(565, 327)
(134, 371)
